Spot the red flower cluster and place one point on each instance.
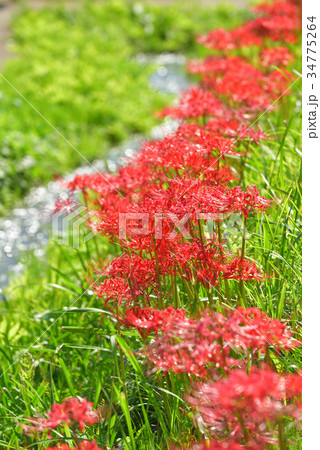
(278, 21)
(235, 80)
(276, 56)
(72, 412)
(84, 445)
(210, 444)
(251, 329)
(195, 346)
(195, 103)
(247, 404)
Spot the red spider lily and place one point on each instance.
(184, 359)
(279, 21)
(248, 200)
(277, 56)
(233, 129)
(68, 205)
(195, 153)
(100, 183)
(255, 135)
(279, 8)
(150, 319)
(208, 263)
(245, 404)
(195, 103)
(177, 151)
(196, 196)
(190, 346)
(251, 92)
(237, 80)
(278, 28)
(116, 288)
(198, 345)
(242, 269)
(210, 444)
(84, 445)
(219, 66)
(127, 277)
(220, 39)
(72, 412)
(278, 83)
(239, 90)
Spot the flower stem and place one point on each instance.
(281, 436)
(226, 283)
(243, 249)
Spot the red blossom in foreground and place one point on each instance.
(150, 319)
(72, 412)
(246, 404)
(221, 39)
(242, 269)
(189, 346)
(209, 444)
(84, 445)
(203, 344)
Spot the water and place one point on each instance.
(27, 228)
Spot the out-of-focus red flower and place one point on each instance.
(201, 344)
(277, 21)
(84, 445)
(253, 329)
(72, 412)
(61, 447)
(230, 444)
(219, 66)
(190, 346)
(244, 404)
(127, 277)
(277, 56)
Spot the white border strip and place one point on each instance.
(311, 234)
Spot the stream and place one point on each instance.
(27, 228)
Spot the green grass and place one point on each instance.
(78, 68)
